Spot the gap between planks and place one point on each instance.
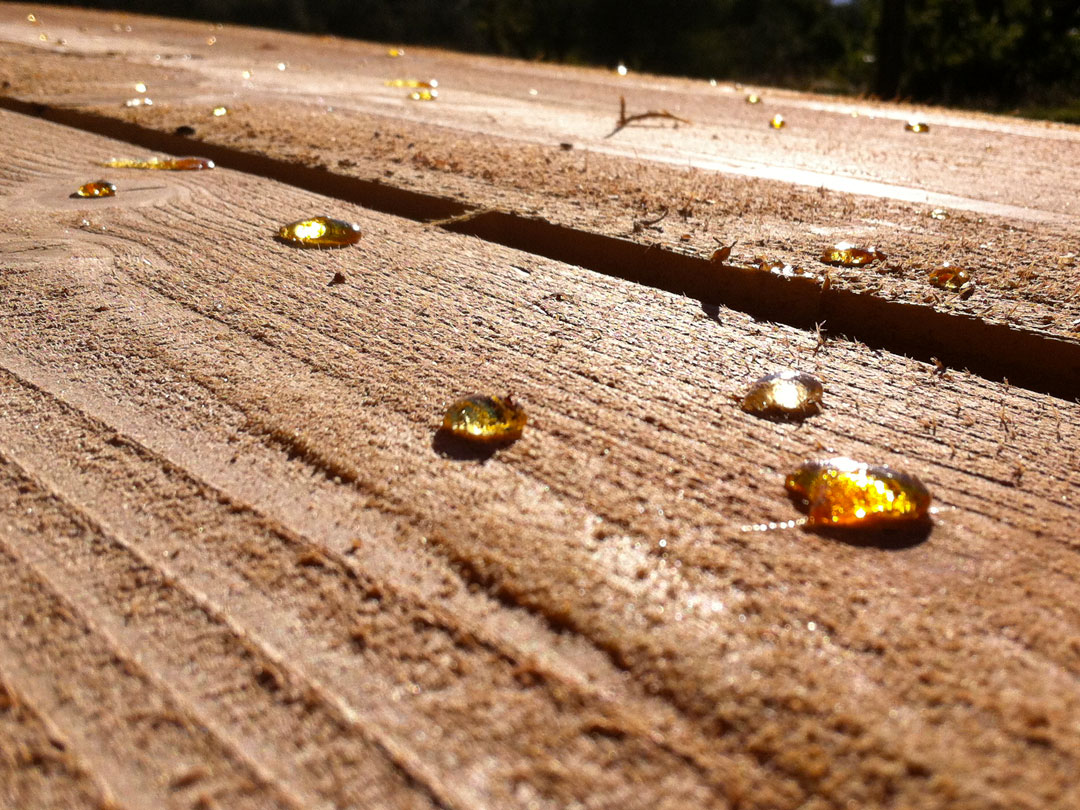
(993, 351)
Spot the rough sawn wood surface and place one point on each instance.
(239, 569)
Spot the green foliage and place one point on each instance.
(992, 52)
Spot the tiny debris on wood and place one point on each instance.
(188, 778)
(339, 278)
(722, 253)
(641, 224)
(625, 119)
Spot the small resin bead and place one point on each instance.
(785, 395)
(429, 84)
(847, 255)
(485, 419)
(840, 492)
(950, 278)
(98, 188)
(320, 232)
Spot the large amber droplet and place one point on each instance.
(784, 395)
(845, 493)
(845, 254)
(424, 95)
(485, 419)
(954, 279)
(777, 122)
(98, 188)
(181, 164)
(320, 232)
(917, 126)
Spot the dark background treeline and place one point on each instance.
(994, 54)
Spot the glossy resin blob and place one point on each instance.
(485, 419)
(784, 395)
(320, 232)
(840, 492)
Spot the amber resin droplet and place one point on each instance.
(844, 493)
(180, 164)
(847, 255)
(753, 98)
(430, 84)
(98, 188)
(784, 395)
(777, 122)
(917, 126)
(954, 279)
(320, 232)
(779, 268)
(424, 95)
(485, 419)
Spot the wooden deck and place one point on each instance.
(241, 569)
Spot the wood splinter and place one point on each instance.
(625, 119)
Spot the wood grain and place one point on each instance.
(842, 170)
(221, 484)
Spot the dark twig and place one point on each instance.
(625, 119)
(639, 224)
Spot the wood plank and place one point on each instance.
(578, 618)
(36, 767)
(488, 143)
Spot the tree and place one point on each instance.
(889, 42)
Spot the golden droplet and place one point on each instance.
(779, 268)
(139, 102)
(430, 84)
(485, 419)
(319, 232)
(777, 122)
(220, 111)
(30, 18)
(181, 164)
(424, 95)
(621, 69)
(954, 279)
(140, 87)
(845, 254)
(939, 213)
(917, 126)
(784, 395)
(98, 188)
(845, 493)
(394, 53)
(753, 98)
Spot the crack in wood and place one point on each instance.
(995, 351)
